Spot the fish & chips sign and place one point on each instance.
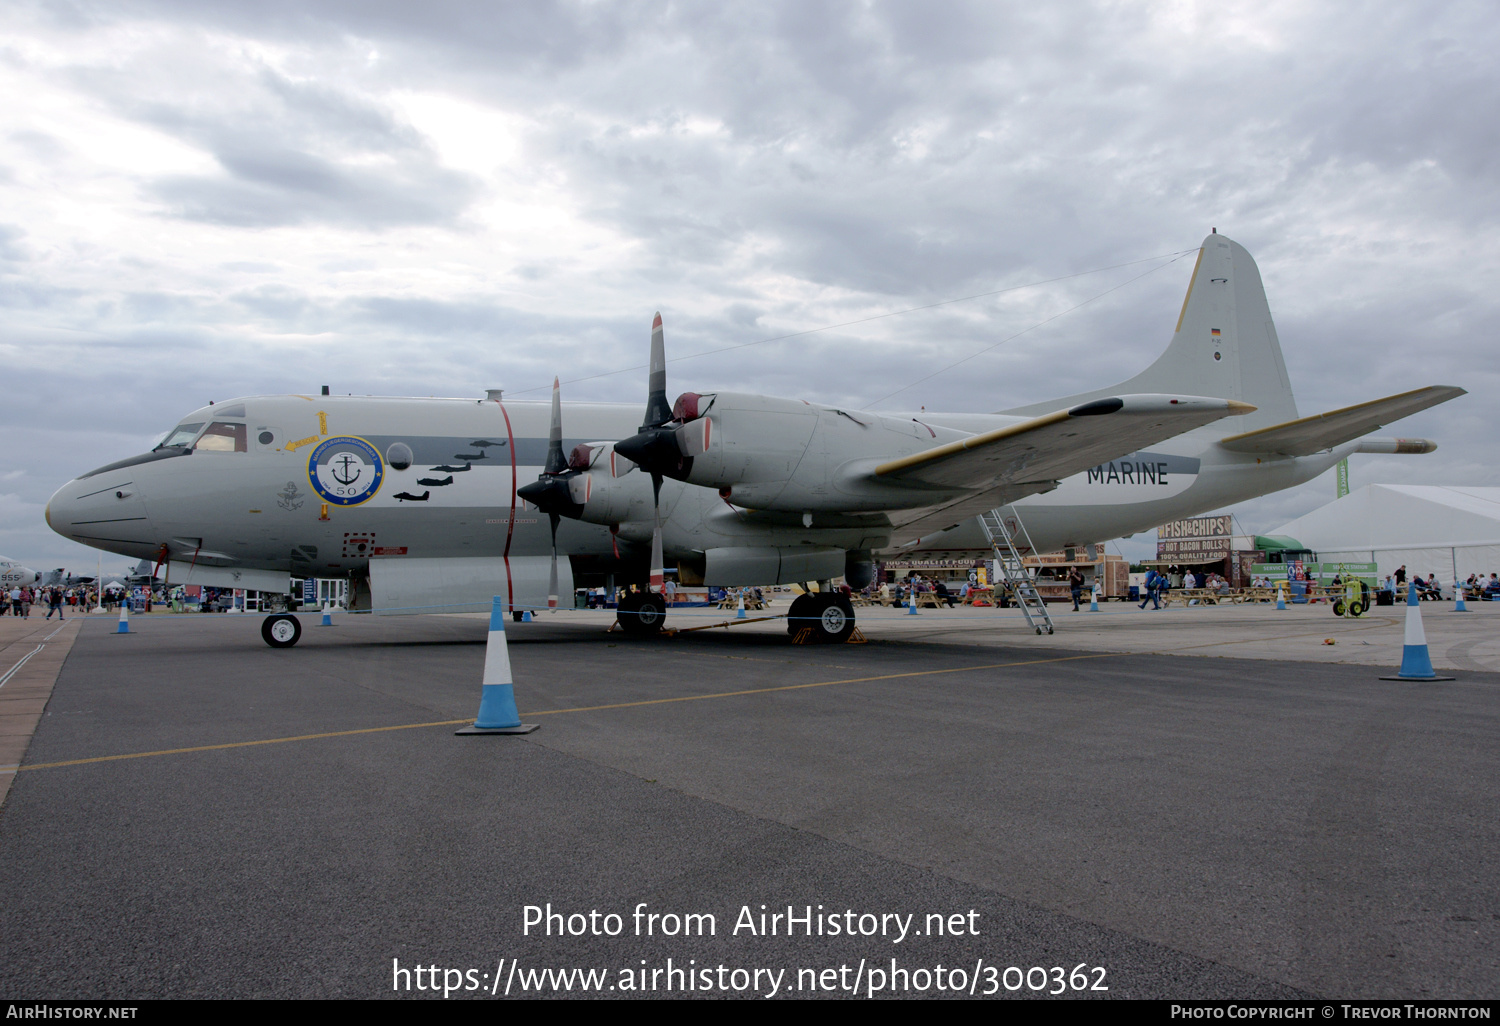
(1198, 540)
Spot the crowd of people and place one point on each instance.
(1476, 586)
(61, 601)
(1159, 583)
(55, 599)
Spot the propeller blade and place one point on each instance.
(658, 571)
(658, 581)
(556, 461)
(552, 581)
(658, 410)
(655, 448)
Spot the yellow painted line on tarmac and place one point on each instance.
(823, 684)
(231, 744)
(551, 712)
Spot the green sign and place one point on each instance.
(1322, 572)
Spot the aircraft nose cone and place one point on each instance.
(101, 510)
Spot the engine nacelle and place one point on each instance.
(787, 454)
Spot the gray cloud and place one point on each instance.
(285, 150)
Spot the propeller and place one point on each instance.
(654, 447)
(551, 492)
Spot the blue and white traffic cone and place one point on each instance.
(1280, 596)
(739, 614)
(526, 616)
(1458, 592)
(327, 615)
(124, 627)
(1416, 664)
(1094, 600)
(911, 604)
(497, 701)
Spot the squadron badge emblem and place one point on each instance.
(345, 471)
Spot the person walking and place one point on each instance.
(54, 604)
(1075, 585)
(1153, 584)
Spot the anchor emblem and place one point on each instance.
(343, 462)
(288, 498)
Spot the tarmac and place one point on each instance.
(198, 815)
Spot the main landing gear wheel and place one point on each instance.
(281, 631)
(830, 616)
(641, 614)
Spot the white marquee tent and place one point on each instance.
(1428, 528)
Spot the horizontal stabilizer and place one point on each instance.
(1007, 464)
(1315, 434)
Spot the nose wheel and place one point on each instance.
(281, 631)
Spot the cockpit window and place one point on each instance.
(222, 436)
(181, 435)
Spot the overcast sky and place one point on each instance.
(203, 200)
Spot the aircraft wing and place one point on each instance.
(1023, 459)
(1315, 434)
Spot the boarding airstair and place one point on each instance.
(1020, 580)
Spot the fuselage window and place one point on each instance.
(222, 436)
(182, 434)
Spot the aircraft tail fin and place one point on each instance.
(1224, 345)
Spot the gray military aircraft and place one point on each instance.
(431, 505)
(64, 578)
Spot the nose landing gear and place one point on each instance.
(281, 631)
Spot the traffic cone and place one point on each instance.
(911, 604)
(1281, 595)
(526, 616)
(124, 627)
(327, 616)
(1458, 592)
(497, 702)
(1416, 664)
(739, 613)
(1094, 600)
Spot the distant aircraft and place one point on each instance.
(13, 574)
(734, 489)
(61, 577)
